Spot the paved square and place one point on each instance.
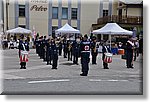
(39, 78)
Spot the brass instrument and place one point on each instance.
(95, 49)
(69, 47)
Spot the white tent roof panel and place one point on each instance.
(112, 29)
(67, 29)
(19, 30)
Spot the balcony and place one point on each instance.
(121, 19)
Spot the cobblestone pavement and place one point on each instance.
(39, 78)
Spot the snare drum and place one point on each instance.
(108, 58)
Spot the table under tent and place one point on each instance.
(113, 29)
(17, 32)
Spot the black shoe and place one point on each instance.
(75, 63)
(21, 67)
(54, 68)
(130, 67)
(83, 74)
(106, 68)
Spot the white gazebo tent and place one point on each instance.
(67, 29)
(112, 29)
(19, 30)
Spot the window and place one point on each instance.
(65, 13)
(53, 30)
(105, 13)
(75, 27)
(22, 26)
(55, 13)
(21, 10)
(74, 13)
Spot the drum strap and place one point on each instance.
(106, 49)
(131, 43)
(23, 47)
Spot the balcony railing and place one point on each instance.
(121, 19)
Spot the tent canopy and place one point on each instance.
(19, 30)
(112, 29)
(66, 29)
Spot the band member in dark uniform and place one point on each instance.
(20, 42)
(85, 55)
(41, 47)
(54, 54)
(76, 50)
(69, 50)
(104, 50)
(44, 48)
(60, 47)
(23, 52)
(94, 50)
(48, 51)
(141, 45)
(37, 44)
(65, 47)
(129, 49)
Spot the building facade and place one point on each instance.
(45, 16)
(127, 13)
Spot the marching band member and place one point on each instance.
(129, 55)
(76, 50)
(85, 55)
(69, 46)
(94, 50)
(54, 54)
(60, 47)
(44, 48)
(105, 49)
(65, 47)
(23, 52)
(48, 52)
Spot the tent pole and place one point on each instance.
(102, 37)
(110, 40)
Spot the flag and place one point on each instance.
(33, 32)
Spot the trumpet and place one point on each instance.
(94, 49)
(69, 47)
